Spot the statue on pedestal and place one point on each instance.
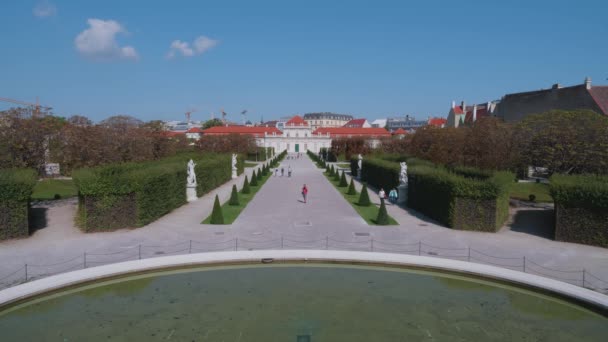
(359, 166)
(234, 169)
(403, 174)
(403, 183)
(191, 174)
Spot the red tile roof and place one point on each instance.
(347, 131)
(194, 130)
(600, 96)
(355, 123)
(458, 110)
(481, 112)
(437, 122)
(296, 121)
(256, 131)
(400, 131)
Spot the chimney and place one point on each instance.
(588, 82)
(474, 113)
(556, 86)
(464, 109)
(453, 104)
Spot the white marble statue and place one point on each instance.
(191, 174)
(403, 174)
(233, 161)
(360, 162)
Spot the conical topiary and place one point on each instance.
(343, 183)
(364, 197)
(351, 188)
(216, 215)
(327, 170)
(234, 196)
(382, 218)
(259, 175)
(332, 172)
(254, 179)
(337, 176)
(246, 189)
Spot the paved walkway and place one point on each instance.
(277, 218)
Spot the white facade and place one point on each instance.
(295, 138)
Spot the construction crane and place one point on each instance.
(188, 114)
(244, 117)
(223, 115)
(36, 107)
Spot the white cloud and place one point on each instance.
(44, 9)
(199, 46)
(99, 41)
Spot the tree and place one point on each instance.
(121, 122)
(439, 145)
(343, 182)
(217, 217)
(351, 188)
(364, 197)
(259, 175)
(234, 196)
(229, 143)
(254, 179)
(382, 218)
(337, 176)
(79, 120)
(212, 123)
(564, 141)
(489, 145)
(246, 189)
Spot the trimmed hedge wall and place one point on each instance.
(260, 154)
(457, 201)
(135, 194)
(381, 173)
(581, 208)
(17, 186)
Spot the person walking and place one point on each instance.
(382, 194)
(289, 171)
(393, 195)
(282, 172)
(276, 171)
(304, 192)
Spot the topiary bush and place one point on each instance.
(254, 179)
(246, 189)
(364, 197)
(380, 173)
(259, 175)
(234, 196)
(17, 186)
(581, 208)
(351, 188)
(337, 176)
(343, 183)
(217, 217)
(382, 218)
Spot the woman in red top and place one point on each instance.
(304, 192)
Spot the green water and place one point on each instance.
(299, 303)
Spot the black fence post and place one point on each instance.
(281, 241)
(524, 263)
(84, 261)
(583, 277)
(139, 251)
(236, 244)
(190, 247)
(326, 242)
(419, 247)
(26, 273)
(372, 244)
(469, 255)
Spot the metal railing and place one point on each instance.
(27, 272)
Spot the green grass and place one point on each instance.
(369, 214)
(522, 191)
(343, 165)
(231, 212)
(251, 164)
(48, 188)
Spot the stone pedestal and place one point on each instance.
(402, 189)
(359, 174)
(191, 193)
(234, 175)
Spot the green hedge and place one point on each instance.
(380, 173)
(135, 194)
(17, 186)
(457, 201)
(581, 208)
(262, 153)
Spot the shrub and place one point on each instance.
(381, 173)
(254, 179)
(364, 197)
(217, 217)
(246, 189)
(17, 186)
(343, 183)
(581, 208)
(135, 194)
(532, 197)
(458, 201)
(259, 175)
(351, 188)
(234, 196)
(382, 219)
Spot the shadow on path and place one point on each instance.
(37, 219)
(538, 222)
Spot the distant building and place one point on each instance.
(379, 123)
(408, 123)
(515, 107)
(466, 115)
(437, 122)
(357, 123)
(400, 133)
(317, 120)
(194, 133)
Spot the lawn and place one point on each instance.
(231, 212)
(522, 191)
(49, 189)
(369, 214)
(251, 164)
(343, 165)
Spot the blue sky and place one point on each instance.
(274, 58)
